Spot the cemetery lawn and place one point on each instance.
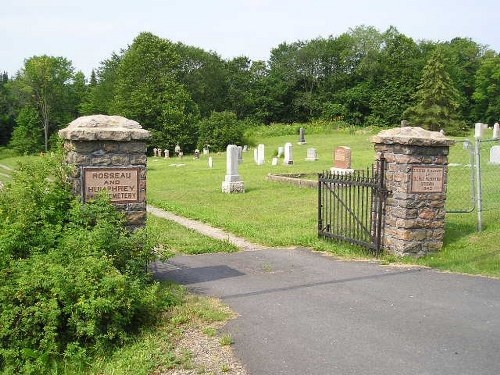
(279, 215)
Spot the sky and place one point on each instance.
(88, 31)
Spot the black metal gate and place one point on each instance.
(351, 206)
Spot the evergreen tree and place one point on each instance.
(437, 99)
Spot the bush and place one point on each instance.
(220, 130)
(73, 281)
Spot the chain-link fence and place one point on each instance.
(474, 180)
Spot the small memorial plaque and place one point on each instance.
(427, 180)
(122, 184)
(342, 157)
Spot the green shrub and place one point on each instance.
(220, 130)
(73, 280)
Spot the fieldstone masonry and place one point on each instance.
(109, 153)
(416, 177)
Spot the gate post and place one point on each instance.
(109, 153)
(416, 179)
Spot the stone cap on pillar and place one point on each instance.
(104, 128)
(414, 136)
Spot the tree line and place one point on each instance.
(186, 95)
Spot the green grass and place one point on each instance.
(154, 350)
(172, 238)
(276, 214)
(270, 213)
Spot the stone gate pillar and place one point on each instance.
(109, 153)
(416, 178)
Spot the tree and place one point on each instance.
(44, 84)
(487, 92)
(27, 136)
(204, 75)
(220, 130)
(437, 99)
(7, 117)
(400, 67)
(101, 93)
(148, 91)
(464, 56)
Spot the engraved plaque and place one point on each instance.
(342, 157)
(122, 184)
(427, 180)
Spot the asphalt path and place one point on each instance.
(302, 312)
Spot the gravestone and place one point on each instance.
(416, 179)
(181, 154)
(478, 130)
(281, 150)
(495, 155)
(177, 149)
(206, 151)
(245, 148)
(275, 161)
(167, 154)
(232, 182)
(159, 152)
(302, 136)
(240, 155)
(342, 157)
(155, 152)
(261, 159)
(256, 156)
(288, 154)
(109, 153)
(210, 162)
(496, 131)
(197, 154)
(312, 154)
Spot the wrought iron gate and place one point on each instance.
(351, 206)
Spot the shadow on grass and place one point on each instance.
(454, 231)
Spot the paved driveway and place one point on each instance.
(305, 313)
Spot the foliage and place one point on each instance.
(101, 91)
(73, 281)
(7, 117)
(220, 130)
(487, 93)
(147, 91)
(45, 83)
(27, 136)
(437, 99)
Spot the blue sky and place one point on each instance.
(88, 31)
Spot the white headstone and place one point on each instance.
(496, 131)
(167, 154)
(245, 148)
(478, 130)
(232, 182)
(155, 152)
(275, 161)
(495, 155)
(206, 151)
(281, 150)
(312, 154)
(159, 152)
(256, 156)
(288, 154)
(210, 162)
(261, 154)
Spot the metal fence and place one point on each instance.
(474, 181)
(350, 206)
